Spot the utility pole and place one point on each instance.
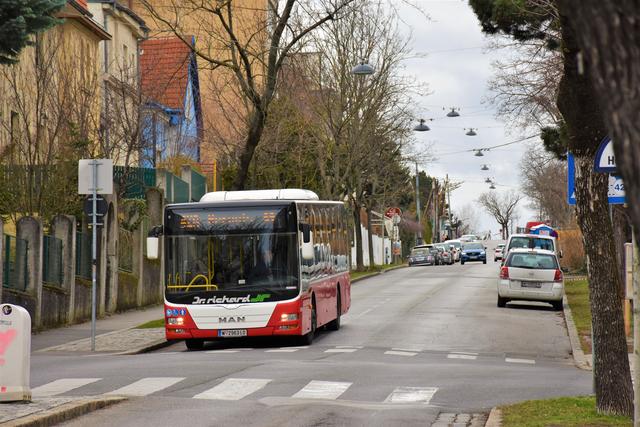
(449, 204)
(436, 229)
(419, 237)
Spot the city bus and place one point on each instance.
(253, 263)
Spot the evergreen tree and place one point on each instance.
(19, 19)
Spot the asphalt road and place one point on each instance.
(417, 342)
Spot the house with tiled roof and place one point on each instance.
(172, 122)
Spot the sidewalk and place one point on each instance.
(115, 334)
(68, 337)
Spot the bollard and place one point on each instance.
(15, 353)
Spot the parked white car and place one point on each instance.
(531, 275)
(497, 254)
(531, 241)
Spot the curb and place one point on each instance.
(579, 357)
(377, 273)
(147, 348)
(64, 412)
(495, 418)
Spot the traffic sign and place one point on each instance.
(391, 212)
(605, 157)
(103, 176)
(616, 186)
(101, 205)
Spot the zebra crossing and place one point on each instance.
(233, 389)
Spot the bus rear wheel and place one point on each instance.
(194, 344)
(334, 325)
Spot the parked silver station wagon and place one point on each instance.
(531, 275)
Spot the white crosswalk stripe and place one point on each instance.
(233, 389)
(322, 390)
(221, 351)
(146, 386)
(282, 350)
(412, 395)
(61, 386)
(523, 361)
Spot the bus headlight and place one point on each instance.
(288, 317)
(175, 320)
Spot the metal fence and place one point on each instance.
(83, 255)
(52, 261)
(15, 263)
(125, 250)
(134, 181)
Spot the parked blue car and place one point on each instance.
(473, 251)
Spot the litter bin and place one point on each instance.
(15, 353)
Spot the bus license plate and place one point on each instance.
(232, 333)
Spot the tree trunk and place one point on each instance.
(370, 236)
(608, 35)
(614, 393)
(585, 129)
(358, 231)
(256, 127)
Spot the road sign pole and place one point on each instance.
(94, 241)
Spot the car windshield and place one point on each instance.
(532, 261)
(419, 252)
(457, 245)
(531, 243)
(473, 246)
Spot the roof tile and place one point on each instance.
(164, 68)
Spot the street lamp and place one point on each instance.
(453, 112)
(492, 187)
(363, 69)
(471, 132)
(421, 127)
(488, 180)
(484, 168)
(478, 153)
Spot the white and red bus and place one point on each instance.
(253, 263)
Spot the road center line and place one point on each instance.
(400, 353)
(525, 361)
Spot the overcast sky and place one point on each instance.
(457, 69)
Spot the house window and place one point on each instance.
(13, 129)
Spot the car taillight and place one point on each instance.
(558, 276)
(504, 272)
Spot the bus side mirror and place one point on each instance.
(152, 247)
(153, 241)
(306, 233)
(306, 250)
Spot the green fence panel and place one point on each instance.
(180, 191)
(52, 260)
(169, 183)
(15, 263)
(125, 250)
(134, 180)
(198, 185)
(83, 255)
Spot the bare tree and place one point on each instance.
(468, 217)
(501, 207)
(543, 179)
(52, 98)
(251, 44)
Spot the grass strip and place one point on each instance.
(559, 412)
(159, 323)
(577, 292)
(371, 271)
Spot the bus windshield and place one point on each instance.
(232, 265)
